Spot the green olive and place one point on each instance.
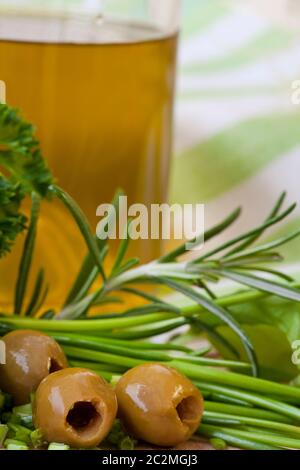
(159, 405)
(30, 356)
(75, 406)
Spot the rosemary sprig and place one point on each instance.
(83, 225)
(220, 312)
(247, 236)
(213, 232)
(250, 240)
(89, 270)
(39, 294)
(26, 258)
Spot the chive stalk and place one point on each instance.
(228, 399)
(218, 444)
(131, 344)
(58, 446)
(98, 345)
(3, 433)
(112, 368)
(245, 411)
(17, 446)
(101, 357)
(237, 380)
(258, 400)
(264, 438)
(210, 416)
(21, 433)
(238, 439)
(84, 325)
(14, 444)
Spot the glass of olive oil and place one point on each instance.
(97, 79)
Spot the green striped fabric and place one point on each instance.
(237, 135)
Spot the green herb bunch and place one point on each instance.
(236, 259)
(112, 343)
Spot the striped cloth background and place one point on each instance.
(237, 137)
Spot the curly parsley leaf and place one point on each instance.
(12, 222)
(22, 171)
(20, 154)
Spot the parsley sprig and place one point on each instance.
(23, 171)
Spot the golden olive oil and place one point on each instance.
(101, 96)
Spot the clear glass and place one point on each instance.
(97, 79)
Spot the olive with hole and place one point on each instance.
(75, 406)
(159, 405)
(30, 356)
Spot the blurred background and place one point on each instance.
(237, 135)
